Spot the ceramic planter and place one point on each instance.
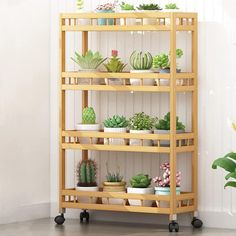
(129, 21)
(113, 81)
(87, 80)
(83, 21)
(165, 82)
(114, 141)
(104, 21)
(138, 142)
(88, 127)
(146, 203)
(134, 81)
(84, 199)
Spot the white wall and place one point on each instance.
(24, 109)
(217, 86)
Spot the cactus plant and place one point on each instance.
(141, 121)
(140, 181)
(86, 173)
(88, 116)
(116, 122)
(80, 4)
(141, 61)
(115, 64)
(171, 6)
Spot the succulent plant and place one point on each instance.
(171, 6)
(116, 122)
(141, 61)
(89, 60)
(179, 53)
(164, 124)
(149, 7)
(141, 121)
(140, 181)
(88, 116)
(86, 173)
(80, 4)
(115, 176)
(115, 64)
(126, 7)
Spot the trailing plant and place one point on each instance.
(113, 176)
(115, 64)
(86, 173)
(140, 181)
(116, 122)
(164, 124)
(141, 61)
(141, 121)
(106, 7)
(80, 4)
(171, 6)
(164, 180)
(149, 7)
(88, 116)
(126, 7)
(89, 60)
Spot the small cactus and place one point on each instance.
(88, 116)
(141, 61)
(86, 173)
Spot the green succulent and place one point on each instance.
(89, 60)
(149, 7)
(115, 65)
(80, 4)
(140, 181)
(88, 116)
(126, 7)
(164, 124)
(179, 53)
(171, 6)
(141, 121)
(116, 122)
(141, 61)
(113, 177)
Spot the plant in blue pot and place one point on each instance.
(106, 8)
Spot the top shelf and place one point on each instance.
(136, 21)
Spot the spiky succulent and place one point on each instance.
(116, 122)
(141, 61)
(171, 6)
(126, 7)
(141, 121)
(140, 181)
(113, 176)
(89, 60)
(149, 7)
(88, 116)
(115, 64)
(86, 173)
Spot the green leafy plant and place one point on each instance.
(80, 4)
(141, 61)
(115, 64)
(228, 163)
(171, 6)
(113, 176)
(88, 116)
(89, 60)
(116, 122)
(164, 124)
(141, 121)
(126, 7)
(86, 173)
(149, 7)
(140, 181)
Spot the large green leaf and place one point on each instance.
(224, 163)
(231, 175)
(230, 184)
(231, 155)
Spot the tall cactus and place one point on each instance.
(80, 4)
(88, 116)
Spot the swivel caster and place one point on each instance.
(84, 215)
(196, 223)
(60, 219)
(173, 225)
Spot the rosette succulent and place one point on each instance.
(140, 181)
(116, 122)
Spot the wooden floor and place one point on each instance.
(46, 227)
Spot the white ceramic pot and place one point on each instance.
(134, 81)
(165, 143)
(114, 141)
(146, 203)
(129, 21)
(87, 80)
(83, 21)
(138, 142)
(87, 127)
(113, 81)
(84, 199)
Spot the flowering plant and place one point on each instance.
(164, 181)
(105, 7)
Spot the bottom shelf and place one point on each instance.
(129, 202)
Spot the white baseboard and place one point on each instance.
(24, 213)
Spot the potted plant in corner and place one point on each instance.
(141, 63)
(89, 62)
(127, 8)
(116, 124)
(141, 123)
(88, 124)
(140, 185)
(114, 183)
(86, 174)
(105, 8)
(114, 65)
(163, 127)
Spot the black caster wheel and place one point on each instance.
(196, 223)
(59, 220)
(173, 226)
(84, 215)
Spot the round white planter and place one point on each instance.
(113, 81)
(149, 21)
(84, 199)
(134, 81)
(129, 21)
(114, 141)
(87, 127)
(140, 191)
(164, 143)
(138, 142)
(87, 80)
(83, 21)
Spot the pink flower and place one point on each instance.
(114, 53)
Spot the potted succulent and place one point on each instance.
(86, 175)
(116, 124)
(141, 123)
(141, 63)
(125, 7)
(88, 124)
(105, 8)
(163, 127)
(114, 183)
(80, 9)
(149, 7)
(171, 7)
(114, 65)
(89, 62)
(140, 185)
